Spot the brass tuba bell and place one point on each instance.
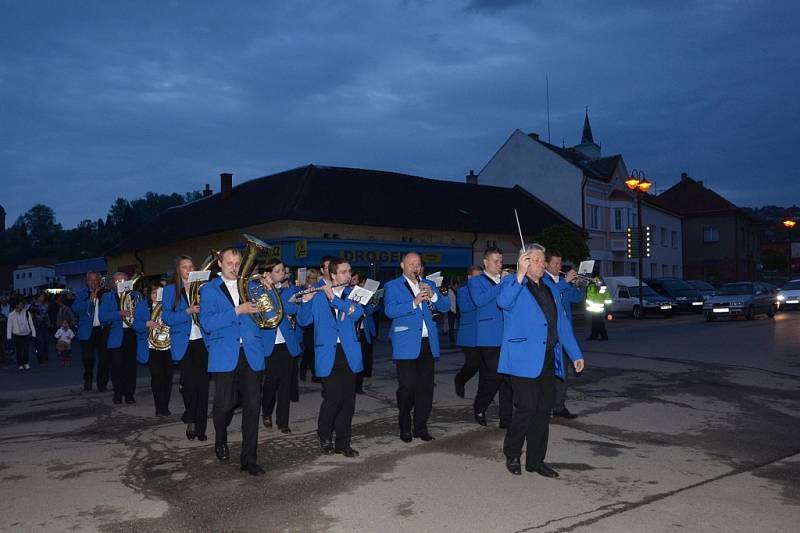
(128, 300)
(159, 336)
(194, 287)
(268, 301)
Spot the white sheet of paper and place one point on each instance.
(124, 286)
(372, 285)
(586, 267)
(301, 275)
(199, 275)
(159, 293)
(360, 295)
(436, 278)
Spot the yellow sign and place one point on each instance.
(432, 258)
(273, 251)
(301, 249)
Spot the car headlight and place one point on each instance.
(780, 297)
(737, 304)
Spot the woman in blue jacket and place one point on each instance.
(159, 361)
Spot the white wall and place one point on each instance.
(663, 254)
(27, 279)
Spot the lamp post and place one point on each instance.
(640, 185)
(789, 224)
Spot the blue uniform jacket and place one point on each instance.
(405, 330)
(484, 293)
(84, 314)
(468, 321)
(569, 294)
(140, 318)
(224, 328)
(525, 331)
(180, 324)
(320, 312)
(109, 316)
(288, 329)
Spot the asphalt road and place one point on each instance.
(683, 426)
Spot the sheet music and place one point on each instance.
(199, 275)
(124, 286)
(586, 267)
(301, 276)
(360, 295)
(372, 285)
(436, 278)
(159, 293)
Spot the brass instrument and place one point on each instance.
(298, 296)
(582, 279)
(194, 287)
(128, 301)
(158, 336)
(266, 300)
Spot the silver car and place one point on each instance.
(789, 295)
(745, 298)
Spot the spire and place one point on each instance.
(587, 137)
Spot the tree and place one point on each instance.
(40, 223)
(567, 240)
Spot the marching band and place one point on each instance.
(247, 326)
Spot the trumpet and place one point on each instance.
(583, 279)
(298, 296)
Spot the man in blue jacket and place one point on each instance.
(570, 294)
(409, 303)
(86, 308)
(121, 343)
(484, 290)
(337, 356)
(235, 359)
(535, 333)
(467, 333)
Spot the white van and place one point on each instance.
(624, 294)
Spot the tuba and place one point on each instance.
(268, 301)
(158, 336)
(194, 287)
(129, 299)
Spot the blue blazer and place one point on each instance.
(288, 330)
(224, 329)
(484, 293)
(180, 324)
(569, 294)
(140, 318)
(468, 319)
(405, 331)
(83, 314)
(525, 331)
(109, 316)
(320, 312)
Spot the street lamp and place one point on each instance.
(789, 224)
(640, 185)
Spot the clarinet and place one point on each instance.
(430, 304)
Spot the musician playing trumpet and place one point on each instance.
(157, 358)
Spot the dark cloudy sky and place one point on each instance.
(100, 99)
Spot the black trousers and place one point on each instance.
(194, 378)
(598, 327)
(123, 365)
(367, 353)
(22, 344)
(160, 364)
(294, 383)
(242, 386)
(472, 363)
(451, 328)
(533, 400)
(277, 385)
(338, 402)
(95, 348)
(560, 388)
(307, 361)
(42, 340)
(490, 382)
(415, 389)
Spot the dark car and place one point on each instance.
(705, 289)
(686, 297)
(744, 298)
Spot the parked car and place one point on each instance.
(744, 298)
(624, 294)
(789, 295)
(686, 297)
(705, 289)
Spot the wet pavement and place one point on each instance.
(683, 426)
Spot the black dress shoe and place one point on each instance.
(542, 470)
(564, 413)
(326, 445)
(101, 389)
(424, 435)
(117, 398)
(405, 436)
(513, 466)
(286, 430)
(267, 422)
(223, 454)
(480, 418)
(504, 425)
(359, 391)
(316, 380)
(203, 437)
(347, 452)
(252, 469)
(459, 389)
(130, 399)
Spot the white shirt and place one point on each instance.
(96, 321)
(451, 295)
(338, 293)
(496, 279)
(65, 335)
(195, 332)
(233, 289)
(19, 324)
(554, 278)
(415, 289)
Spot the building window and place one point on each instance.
(674, 239)
(664, 237)
(653, 270)
(711, 234)
(664, 271)
(618, 219)
(594, 217)
(633, 269)
(675, 271)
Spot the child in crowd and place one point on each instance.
(64, 337)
